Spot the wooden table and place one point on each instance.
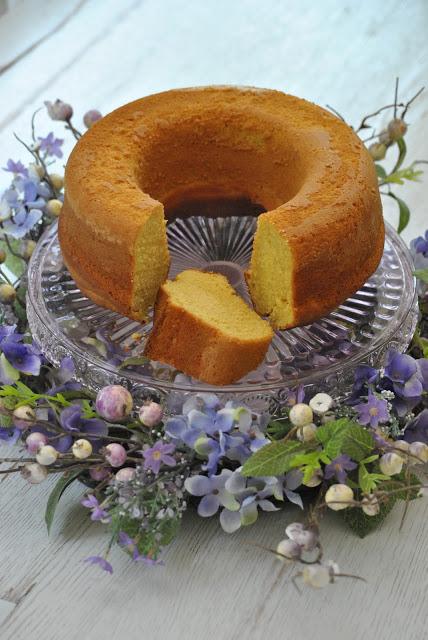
(102, 53)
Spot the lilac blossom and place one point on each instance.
(51, 146)
(100, 562)
(157, 455)
(339, 467)
(131, 546)
(373, 412)
(16, 167)
(97, 512)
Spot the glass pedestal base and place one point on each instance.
(320, 356)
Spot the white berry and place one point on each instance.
(34, 473)
(321, 403)
(418, 453)
(391, 463)
(82, 449)
(315, 479)
(47, 455)
(339, 496)
(370, 505)
(301, 414)
(307, 432)
(316, 576)
(290, 549)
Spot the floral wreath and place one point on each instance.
(142, 467)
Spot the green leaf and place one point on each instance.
(358, 443)
(404, 212)
(380, 171)
(422, 274)
(368, 481)
(134, 361)
(65, 480)
(402, 150)
(327, 431)
(271, 460)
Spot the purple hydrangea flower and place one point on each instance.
(417, 429)
(364, 376)
(10, 435)
(22, 222)
(404, 379)
(16, 167)
(71, 419)
(157, 455)
(91, 502)
(62, 378)
(19, 356)
(51, 145)
(420, 244)
(373, 412)
(422, 365)
(100, 562)
(213, 493)
(339, 467)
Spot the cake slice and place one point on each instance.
(203, 328)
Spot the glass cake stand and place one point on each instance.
(322, 356)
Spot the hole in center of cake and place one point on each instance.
(210, 206)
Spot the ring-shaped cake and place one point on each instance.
(321, 234)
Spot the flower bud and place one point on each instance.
(418, 453)
(370, 505)
(23, 417)
(47, 455)
(377, 150)
(307, 539)
(301, 414)
(34, 473)
(114, 403)
(316, 575)
(7, 293)
(315, 479)
(3, 256)
(289, 549)
(307, 432)
(27, 249)
(54, 207)
(125, 475)
(150, 414)
(57, 181)
(115, 454)
(397, 129)
(384, 138)
(35, 441)
(81, 449)
(99, 473)
(202, 446)
(321, 403)
(339, 496)
(402, 448)
(391, 463)
(59, 110)
(91, 117)
(37, 169)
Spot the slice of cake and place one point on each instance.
(203, 328)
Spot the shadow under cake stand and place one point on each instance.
(320, 356)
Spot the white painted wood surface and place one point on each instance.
(213, 586)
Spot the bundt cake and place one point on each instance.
(320, 237)
(204, 328)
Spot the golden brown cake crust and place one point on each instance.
(307, 168)
(199, 349)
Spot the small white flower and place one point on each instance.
(418, 453)
(316, 575)
(81, 449)
(370, 505)
(321, 403)
(47, 455)
(307, 432)
(391, 463)
(339, 496)
(301, 414)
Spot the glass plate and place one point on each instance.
(382, 314)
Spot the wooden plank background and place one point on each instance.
(102, 53)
